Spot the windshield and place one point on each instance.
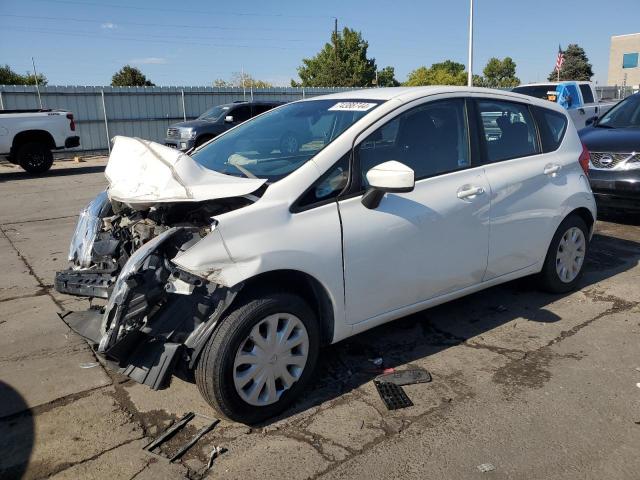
(214, 113)
(625, 114)
(545, 92)
(275, 144)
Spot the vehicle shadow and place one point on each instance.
(16, 433)
(613, 216)
(346, 366)
(57, 172)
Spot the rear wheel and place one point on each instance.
(34, 157)
(564, 263)
(260, 358)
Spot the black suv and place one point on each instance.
(186, 135)
(614, 143)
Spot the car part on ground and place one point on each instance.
(405, 377)
(393, 395)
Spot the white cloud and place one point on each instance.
(149, 61)
(109, 26)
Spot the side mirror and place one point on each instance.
(228, 119)
(591, 121)
(388, 177)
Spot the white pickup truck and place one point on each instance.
(579, 98)
(27, 137)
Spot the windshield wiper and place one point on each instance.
(246, 172)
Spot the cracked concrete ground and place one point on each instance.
(537, 385)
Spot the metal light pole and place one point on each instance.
(470, 61)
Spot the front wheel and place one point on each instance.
(260, 358)
(564, 263)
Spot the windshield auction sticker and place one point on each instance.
(353, 106)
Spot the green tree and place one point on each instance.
(576, 65)
(443, 73)
(237, 81)
(387, 77)
(9, 77)
(129, 76)
(343, 62)
(500, 73)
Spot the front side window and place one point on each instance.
(283, 139)
(625, 114)
(587, 94)
(431, 139)
(509, 131)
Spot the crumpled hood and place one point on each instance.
(141, 172)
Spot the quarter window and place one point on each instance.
(431, 139)
(552, 126)
(509, 130)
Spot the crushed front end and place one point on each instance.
(148, 318)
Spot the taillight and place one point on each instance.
(584, 159)
(72, 124)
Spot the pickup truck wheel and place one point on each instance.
(564, 263)
(260, 358)
(34, 157)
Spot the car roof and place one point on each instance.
(542, 84)
(407, 94)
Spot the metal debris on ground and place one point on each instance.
(486, 467)
(393, 396)
(175, 428)
(215, 453)
(405, 377)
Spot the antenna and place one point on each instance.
(35, 76)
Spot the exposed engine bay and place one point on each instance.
(157, 316)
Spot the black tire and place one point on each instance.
(34, 157)
(289, 144)
(214, 370)
(203, 139)
(549, 278)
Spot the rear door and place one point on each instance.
(526, 185)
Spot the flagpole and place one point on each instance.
(470, 62)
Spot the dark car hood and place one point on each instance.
(195, 124)
(623, 140)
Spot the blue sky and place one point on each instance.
(193, 42)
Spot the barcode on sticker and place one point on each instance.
(353, 106)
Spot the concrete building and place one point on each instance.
(624, 60)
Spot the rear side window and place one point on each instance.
(240, 114)
(258, 109)
(509, 130)
(587, 95)
(552, 126)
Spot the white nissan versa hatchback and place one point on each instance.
(234, 265)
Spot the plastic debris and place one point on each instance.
(377, 361)
(486, 467)
(392, 395)
(405, 377)
(215, 453)
(89, 364)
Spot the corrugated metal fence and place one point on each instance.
(145, 112)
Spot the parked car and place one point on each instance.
(28, 136)
(193, 133)
(579, 98)
(236, 266)
(614, 143)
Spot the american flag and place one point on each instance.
(560, 59)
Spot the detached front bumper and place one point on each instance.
(155, 317)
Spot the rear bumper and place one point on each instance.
(616, 189)
(71, 142)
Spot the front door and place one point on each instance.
(429, 242)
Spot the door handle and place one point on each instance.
(551, 169)
(467, 191)
(581, 110)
